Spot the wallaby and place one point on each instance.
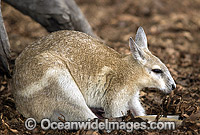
(67, 72)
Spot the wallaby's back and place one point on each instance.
(82, 54)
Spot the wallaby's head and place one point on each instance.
(155, 73)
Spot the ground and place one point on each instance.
(173, 32)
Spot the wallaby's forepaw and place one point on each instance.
(138, 112)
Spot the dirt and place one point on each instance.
(173, 32)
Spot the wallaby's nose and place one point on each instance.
(173, 86)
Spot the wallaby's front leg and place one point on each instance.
(115, 105)
(135, 106)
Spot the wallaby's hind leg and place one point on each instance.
(59, 97)
(135, 106)
(69, 100)
(52, 91)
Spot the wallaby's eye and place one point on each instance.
(157, 71)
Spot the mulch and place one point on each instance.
(173, 32)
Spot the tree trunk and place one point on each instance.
(54, 14)
(4, 47)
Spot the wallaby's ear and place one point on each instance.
(137, 53)
(141, 39)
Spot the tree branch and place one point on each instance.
(54, 14)
(4, 47)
